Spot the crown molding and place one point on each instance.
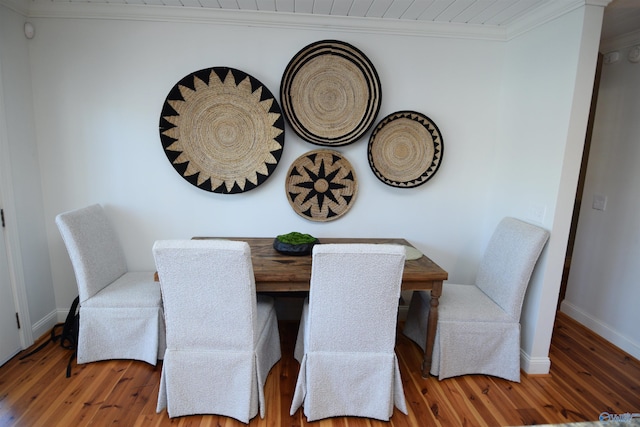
(546, 13)
(73, 10)
(140, 12)
(18, 6)
(620, 42)
(603, 3)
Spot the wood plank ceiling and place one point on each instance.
(482, 12)
(621, 16)
(488, 12)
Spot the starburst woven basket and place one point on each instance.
(222, 130)
(321, 185)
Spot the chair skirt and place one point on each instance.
(488, 343)
(235, 388)
(121, 333)
(125, 320)
(321, 389)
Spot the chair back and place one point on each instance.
(94, 248)
(353, 297)
(508, 262)
(208, 290)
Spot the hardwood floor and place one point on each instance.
(588, 376)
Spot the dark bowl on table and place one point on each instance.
(294, 249)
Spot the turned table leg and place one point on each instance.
(436, 292)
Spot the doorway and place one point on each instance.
(12, 338)
(581, 178)
(10, 342)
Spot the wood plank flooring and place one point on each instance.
(588, 376)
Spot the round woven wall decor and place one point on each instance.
(222, 130)
(321, 185)
(330, 93)
(405, 149)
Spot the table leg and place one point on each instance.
(436, 292)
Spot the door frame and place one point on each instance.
(14, 258)
(581, 179)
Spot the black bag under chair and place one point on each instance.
(68, 334)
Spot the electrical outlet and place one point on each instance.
(599, 202)
(612, 57)
(537, 213)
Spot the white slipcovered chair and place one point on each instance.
(120, 311)
(478, 329)
(347, 333)
(222, 339)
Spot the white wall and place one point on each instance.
(98, 100)
(603, 290)
(546, 94)
(99, 86)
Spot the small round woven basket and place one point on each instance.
(222, 130)
(405, 149)
(330, 93)
(321, 185)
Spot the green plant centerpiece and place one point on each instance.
(294, 243)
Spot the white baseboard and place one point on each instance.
(44, 325)
(534, 365)
(599, 327)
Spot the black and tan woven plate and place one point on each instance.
(330, 93)
(321, 185)
(405, 149)
(222, 130)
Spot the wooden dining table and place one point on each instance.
(276, 272)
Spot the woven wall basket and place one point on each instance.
(330, 93)
(405, 149)
(222, 130)
(321, 185)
